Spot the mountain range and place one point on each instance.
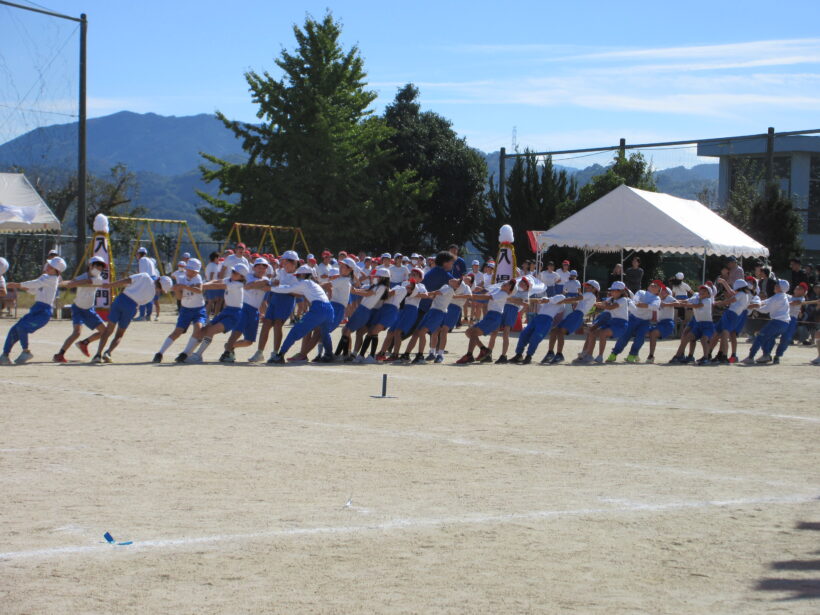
(164, 153)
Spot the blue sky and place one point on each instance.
(574, 74)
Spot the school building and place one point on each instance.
(795, 166)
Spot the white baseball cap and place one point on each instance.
(96, 259)
(349, 262)
(241, 269)
(594, 284)
(618, 285)
(58, 263)
(142, 250)
(741, 283)
(679, 275)
(333, 271)
(476, 263)
(193, 264)
(165, 283)
(573, 272)
(4, 265)
(382, 272)
(784, 285)
(290, 255)
(186, 255)
(304, 269)
(260, 261)
(386, 255)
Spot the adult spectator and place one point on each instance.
(634, 275)
(798, 275)
(236, 258)
(735, 271)
(438, 275)
(616, 275)
(459, 266)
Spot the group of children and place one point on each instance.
(410, 300)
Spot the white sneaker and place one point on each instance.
(256, 357)
(813, 361)
(24, 357)
(194, 358)
(370, 360)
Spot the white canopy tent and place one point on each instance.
(22, 210)
(637, 220)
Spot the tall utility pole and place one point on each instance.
(81, 154)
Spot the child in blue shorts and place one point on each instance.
(82, 310)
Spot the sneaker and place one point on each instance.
(487, 358)
(59, 358)
(612, 358)
(349, 358)
(703, 361)
(358, 360)
(325, 358)
(418, 360)
(550, 356)
(195, 357)
(230, 358)
(319, 359)
(748, 361)
(24, 357)
(546, 360)
(107, 357)
(688, 359)
(599, 360)
(96, 359)
(430, 357)
(138, 319)
(467, 358)
(392, 358)
(181, 358)
(766, 358)
(501, 360)
(371, 360)
(815, 361)
(439, 358)
(650, 359)
(274, 358)
(256, 357)
(675, 359)
(404, 358)
(518, 359)
(776, 361)
(157, 358)
(4, 359)
(558, 358)
(632, 358)
(527, 360)
(381, 357)
(83, 347)
(483, 353)
(733, 359)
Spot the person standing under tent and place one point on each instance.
(44, 290)
(229, 319)
(563, 276)
(4, 266)
(633, 276)
(735, 270)
(189, 293)
(82, 310)
(139, 289)
(318, 316)
(617, 274)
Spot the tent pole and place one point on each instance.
(622, 264)
(703, 281)
(586, 256)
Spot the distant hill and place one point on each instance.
(164, 153)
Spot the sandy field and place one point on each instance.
(478, 489)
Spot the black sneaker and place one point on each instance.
(527, 360)
(517, 359)
(776, 361)
(487, 358)
(157, 358)
(550, 356)
(225, 357)
(276, 359)
(418, 360)
(405, 358)
(501, 360)
(558, 358)
(320, 359)
(181, 358)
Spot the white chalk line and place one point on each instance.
(551, 394)
(406, 523)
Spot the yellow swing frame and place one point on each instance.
(267, 233)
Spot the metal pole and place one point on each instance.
(770, 155)
(502, 177)
(703, 280)
(622, 148)
(81, 158)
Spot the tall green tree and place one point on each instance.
(318, 155)
(775, 224)
(444, 164)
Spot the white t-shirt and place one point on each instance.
(588, 299)
(572, 286)
(179, 276)
(754, 303)
(703, 312)
(563, 276)
(740, 303)
(399, 292)
(644, 296)
(681, 290)
(230, 261)
(340, 289)
(254, 296)
(549, 278)
(285, 278)
(414, 298)
(442, 301)
(622, 309)
(463, 289)
(322, 271)
(552, 308)
(664, 310)
(498, 299)
(309, 289)
(146, 265)
(191, 299)
(398, 274)
(375, 299)
(234, 293)
(777, 307)
(87, 294)
(141, 289)
(211, 271)
(794, 310)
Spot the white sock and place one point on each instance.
(206, 341)
(166, 345)
(440, 353)
(189, 347)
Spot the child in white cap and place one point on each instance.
(280, 306)
(44, 290)
(146, 264)
(778, 308)
(614, 327)
(702, 327)
(139, 289)
(257, 285)
(189, 294)
(82, 310)
(579, 306)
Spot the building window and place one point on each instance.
(814, 196)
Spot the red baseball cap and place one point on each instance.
(327, 253)
(804, 285)
(565, 262)
(241, 245)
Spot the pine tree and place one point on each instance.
(774, 223)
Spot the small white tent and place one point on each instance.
(632, 219)
(22, 210)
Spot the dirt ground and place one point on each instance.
(478, 489)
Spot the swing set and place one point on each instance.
(264, 234)
(148, 226)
